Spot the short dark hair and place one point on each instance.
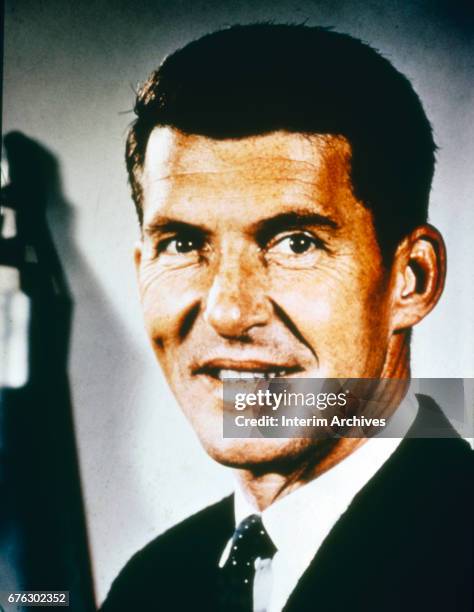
(255, 79)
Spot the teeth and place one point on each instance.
(222, 374)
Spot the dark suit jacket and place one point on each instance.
(404, 543)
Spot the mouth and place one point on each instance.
(223, 370)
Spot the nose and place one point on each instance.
(236, 301)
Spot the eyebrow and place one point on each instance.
(267, 228)
(263, 230)
(164, 225)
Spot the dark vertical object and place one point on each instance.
(41, 480)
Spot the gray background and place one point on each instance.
(70, 71)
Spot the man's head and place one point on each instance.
(281, 175)
(257, 79)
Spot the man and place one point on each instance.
(281, 176)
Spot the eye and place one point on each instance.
(295, 244)
(296, 250)
(180, 250)
(180, 245)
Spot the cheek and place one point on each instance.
(167, 298)
(339, 315)
(305, 301)
(319, 299)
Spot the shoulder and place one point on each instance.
(194, 546)
(192, 533)
(432, 463)
(441, 446)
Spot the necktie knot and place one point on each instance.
(249, 542)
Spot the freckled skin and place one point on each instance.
(327, 309)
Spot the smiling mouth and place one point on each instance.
(252, 371)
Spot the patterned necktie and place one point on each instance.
(250, 541)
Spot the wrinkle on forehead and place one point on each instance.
(265, 175)
(171, 154)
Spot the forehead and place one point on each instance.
(277, 169)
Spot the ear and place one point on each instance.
(420, 269)
(137, 254)
(137, 258)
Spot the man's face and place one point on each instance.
(257, 258)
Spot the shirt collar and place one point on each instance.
(301, 520)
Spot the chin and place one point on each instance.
(246, 453)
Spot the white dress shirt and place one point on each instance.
(299, 522)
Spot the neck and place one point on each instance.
(264, 487)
